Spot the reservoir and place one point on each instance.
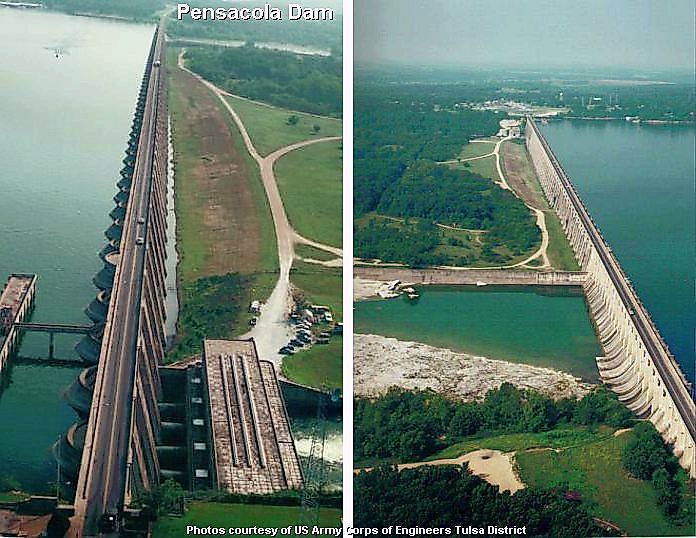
(64, 124)
(638, 183)
(537, 326)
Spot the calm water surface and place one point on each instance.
(542, 327)
(638, 183)
(63, 129)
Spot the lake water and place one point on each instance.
(638, 183)
(535, 326)
(64, 124)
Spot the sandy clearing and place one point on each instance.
(493, 466)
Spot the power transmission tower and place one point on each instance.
(315, 469)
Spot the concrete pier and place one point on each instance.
(16, 302)
(637, 363)
(471, 277)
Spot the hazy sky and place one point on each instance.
(643, 34)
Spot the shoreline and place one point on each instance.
(641, 122)
(382, 362)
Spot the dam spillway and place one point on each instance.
(637, 363)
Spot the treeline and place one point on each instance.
(400, 134)
(648, 458)
(130, 9)
(395, 125)
(325, 35)
(632, 96)
(410, 244)
(410, 425)
(446, 496)
(307, 83)
(208, 308)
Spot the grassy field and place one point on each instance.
(224, 224)
(223, 219)
(307, 251)
(556, 438)
(310, 182)
(476, 150)
(269, 129)
(238, 515)
(322, 364)
(560, 253)
(324, 285)
(596, 471)
(484, 167)
(522, 178)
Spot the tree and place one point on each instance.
(467, 420)
(292, 120)
(646, 453)
(166, 498)
(502, 408)
(316, 128)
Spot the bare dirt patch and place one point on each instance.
(493, 466)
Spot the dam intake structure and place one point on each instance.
(637, 364)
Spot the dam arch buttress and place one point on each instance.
(637, 363)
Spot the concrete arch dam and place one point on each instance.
(637, 364)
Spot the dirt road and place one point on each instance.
(271, 331)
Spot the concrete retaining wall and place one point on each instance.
(499, 277)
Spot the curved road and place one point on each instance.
(271, 331)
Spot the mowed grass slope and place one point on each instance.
(223, 515)
(310, 182)
(522, 178)
(269, 128)
(596, 471)
(222, 213)
(224, 224)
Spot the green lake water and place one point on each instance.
(64, 124)
(638, 183)
(541, 327)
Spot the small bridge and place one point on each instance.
(52, 329)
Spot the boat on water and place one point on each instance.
(479, 283)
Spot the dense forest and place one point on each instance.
(400, 134)
(325, 35)
(410, 425)
(446, 496)
(306, 83)
(130, 9)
